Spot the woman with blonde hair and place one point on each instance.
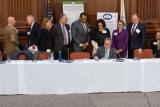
(46, 39)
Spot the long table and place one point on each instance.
(82, 76)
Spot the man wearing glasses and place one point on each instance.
(106, 51)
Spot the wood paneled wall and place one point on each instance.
(57, 6)
(20, 9)
(91, 7)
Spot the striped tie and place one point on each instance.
(64, 35)
(133, 29)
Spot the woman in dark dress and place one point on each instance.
(99, 35)
(45, 41)
(120, 40)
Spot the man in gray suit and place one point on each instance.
(80, 33)
(106, 52)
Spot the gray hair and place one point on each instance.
(107, 39)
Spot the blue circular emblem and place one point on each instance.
(107, 16)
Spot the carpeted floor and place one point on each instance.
(83, 100)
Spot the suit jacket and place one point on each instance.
(11, 40)
(101, 53)
(154, 46)
(79, 35)
(34, 34)
(58, 37)
(46, 40)
(137, 40)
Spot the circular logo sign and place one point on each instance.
(107, 16)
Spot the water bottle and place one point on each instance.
(60, 56)
(49, 54)
(52, 55)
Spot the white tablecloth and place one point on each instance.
(85, 76)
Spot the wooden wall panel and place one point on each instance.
(20, 9)
(91, 7)
(57, 6)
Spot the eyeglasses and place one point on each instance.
(107, 44)
(100, 25)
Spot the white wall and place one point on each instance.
(73, 11)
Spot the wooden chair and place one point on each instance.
(137, 55)
(147, 53)
(79, 55)
(22, 56)
(42, 56)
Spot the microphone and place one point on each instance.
(120, 59)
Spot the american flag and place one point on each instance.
(49, 11)
(122, 12)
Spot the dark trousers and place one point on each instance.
(158, 54)
(64, 52)
(131, 53)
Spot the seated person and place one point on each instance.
(106, 51)
(156, 45)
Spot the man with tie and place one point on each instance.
(34, 31)
(62, 37)
(80, 33)
(137, 35)
(106, 52)
(156, 45)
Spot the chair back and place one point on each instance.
(147, 53)
(22, 56)
(80, 55)
(42, 56)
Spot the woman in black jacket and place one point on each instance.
(99, 35)
(45, 41)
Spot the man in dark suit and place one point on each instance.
(137, 35)
(62, 37)
(156, 45)
(34, 31)
(80, 33)
(105, 52)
